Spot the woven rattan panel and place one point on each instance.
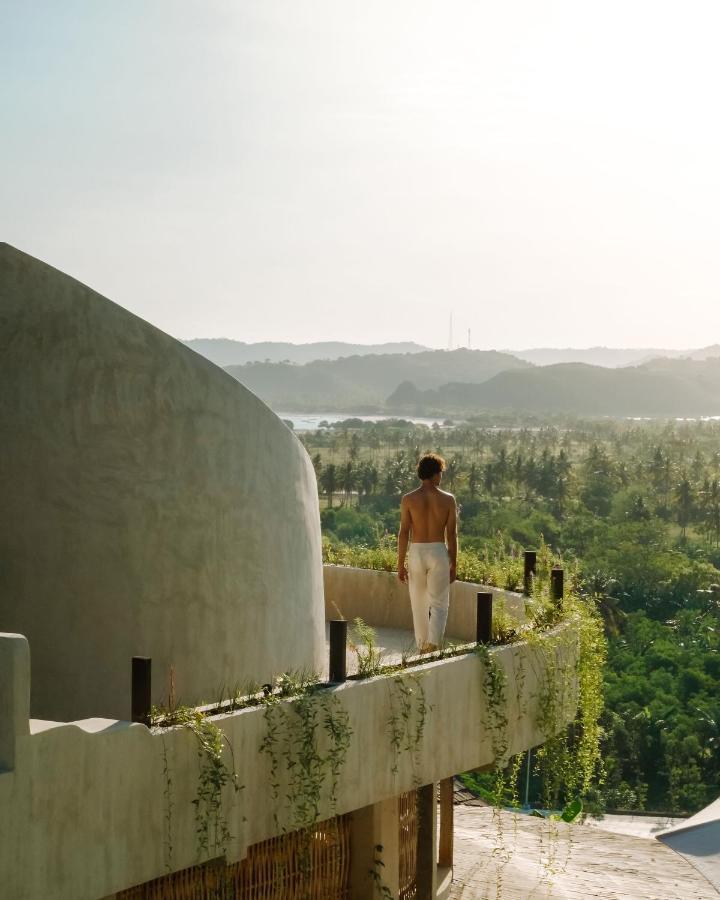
(408, 845)
(311, 865)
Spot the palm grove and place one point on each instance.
(633, 507)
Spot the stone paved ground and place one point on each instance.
(580, 863)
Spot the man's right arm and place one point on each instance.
(403, 539)
(452, 540)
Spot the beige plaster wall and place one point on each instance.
(151, 505)
(382, 601)
(85, 807)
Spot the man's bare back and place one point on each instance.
(430, 510)
(428, 515)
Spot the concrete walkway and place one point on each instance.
(579, 862)
(391, 642)
(637, 826)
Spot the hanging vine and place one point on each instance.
(408, 715)
(494, 685)
(168, 797)
(379, 887)
(291, 743)
(211, 826)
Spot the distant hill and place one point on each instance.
(355, 383)
(662, 387)
(609, 357)
(710, 352)
(224, 352)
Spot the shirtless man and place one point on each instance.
(430, 515)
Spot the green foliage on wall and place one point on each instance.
(306, 742)
(214, 775)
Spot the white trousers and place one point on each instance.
(429, 582)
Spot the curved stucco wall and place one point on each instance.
(151, 505)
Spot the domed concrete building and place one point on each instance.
(151, 506)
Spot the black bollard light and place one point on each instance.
(484, 617)
(141, 691)
(338, 650)
(530, 567)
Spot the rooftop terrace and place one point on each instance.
(102, 778)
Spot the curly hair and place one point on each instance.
(430, 464)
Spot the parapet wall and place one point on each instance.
(382, 601)
(88, 809)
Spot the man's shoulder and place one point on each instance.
(450, 498)
(410, 496)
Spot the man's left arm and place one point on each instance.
(403, 539)
(452, 540)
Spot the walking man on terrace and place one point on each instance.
(429, 515)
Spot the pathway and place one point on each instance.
(580, 863)
(391, 642)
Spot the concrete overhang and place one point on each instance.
(86, 806)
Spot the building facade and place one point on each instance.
(153, 507)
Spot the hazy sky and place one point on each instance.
(356, 169)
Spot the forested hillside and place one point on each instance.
(467, 382)
(633, 509)
(224, 352)
(661, 387)
(611, 357)
(356, 382)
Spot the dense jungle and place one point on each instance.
(632, 508)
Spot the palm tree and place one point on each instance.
(685, 504)
(598, 586)
(473, 480)
(347, 480)
(489, 477)
(363, 480)
(328, 482)
(452, 471)
(711, 504)
(354, 446)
